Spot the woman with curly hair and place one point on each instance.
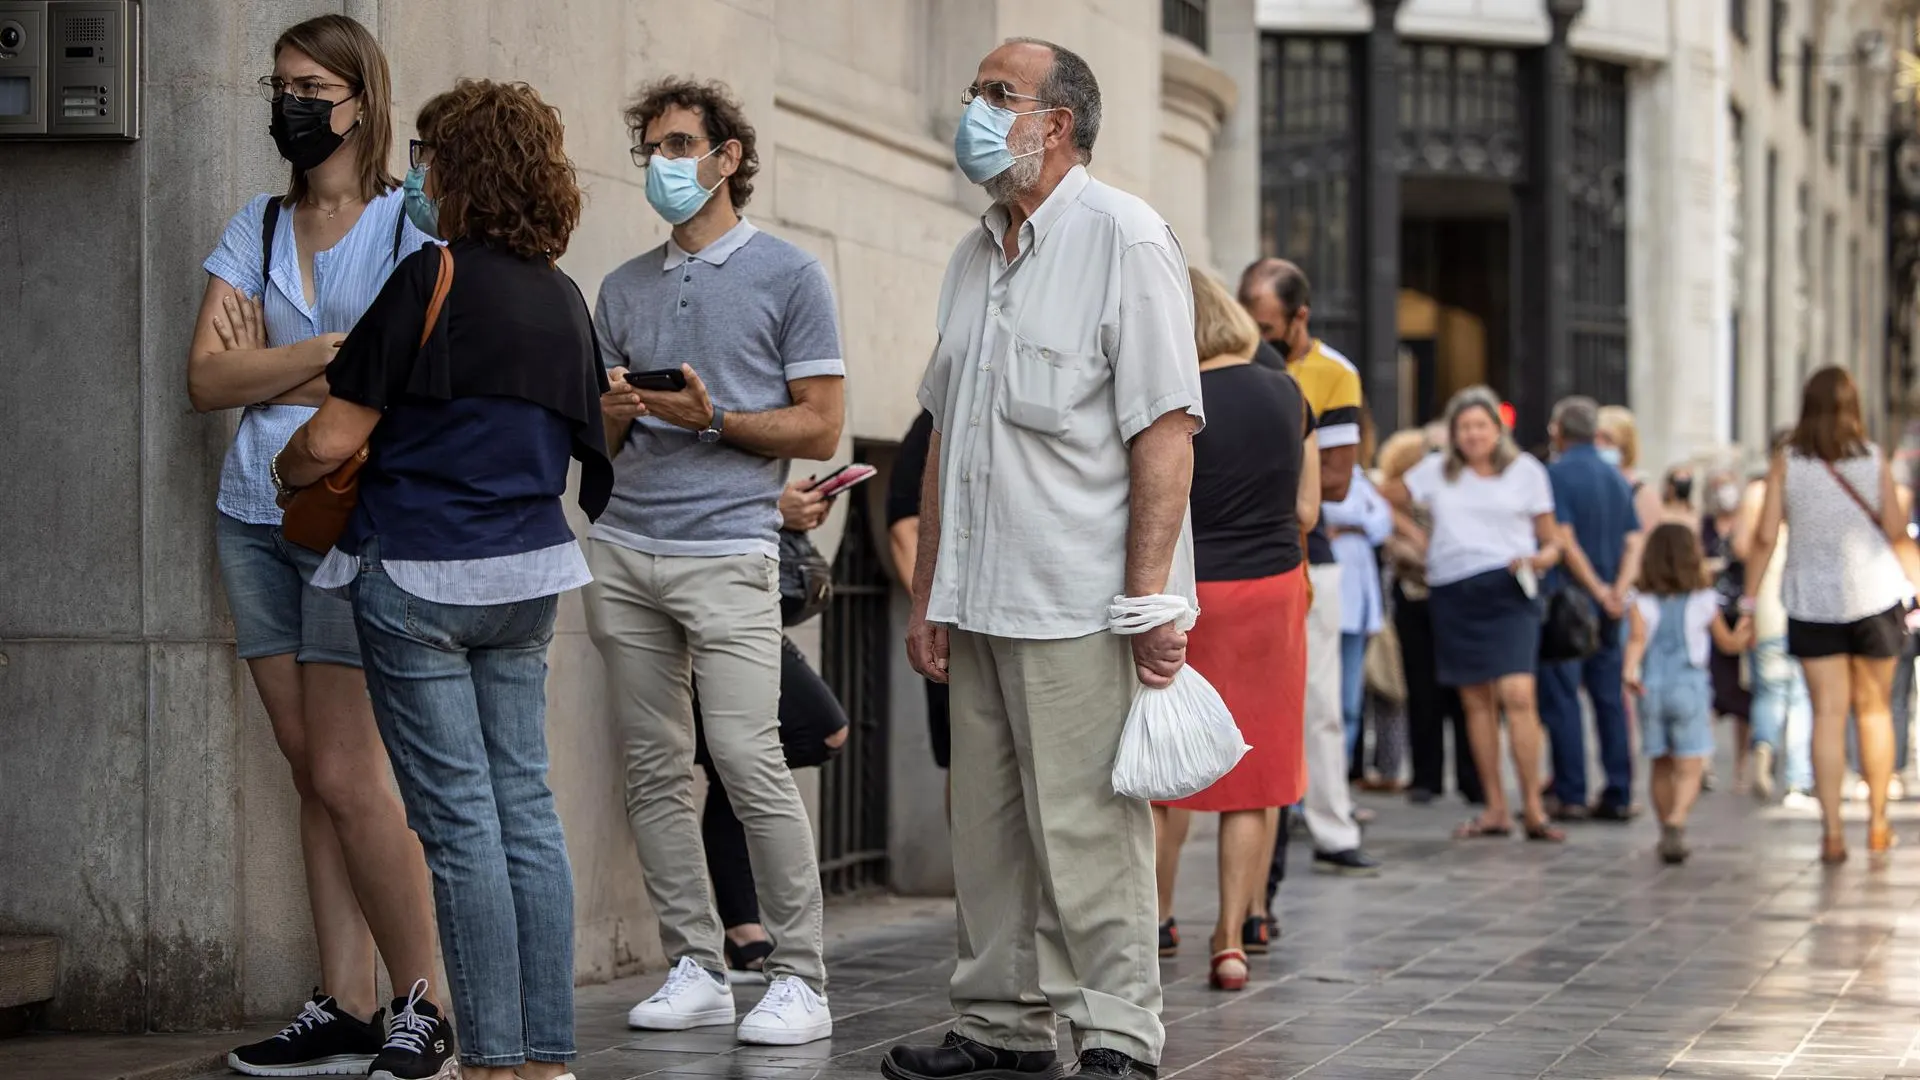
(470, 398)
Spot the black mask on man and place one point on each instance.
(303, 130)
(1682, 488)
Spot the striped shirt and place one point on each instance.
(346, 278)
(1332, 386)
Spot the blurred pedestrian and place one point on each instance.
(1493, 534)
(1782, 710)
(1256, 481)
(1732, 696)
(1432, 707)
(1617, 440)
(1848, 581)
(903, 536)
(1676, 621)
(1357, 525)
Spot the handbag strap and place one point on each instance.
(1858, 500)
(441, 283)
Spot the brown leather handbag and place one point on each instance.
(317, 514)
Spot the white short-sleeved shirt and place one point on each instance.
(1480, 523)
(1045, 369)
(1702, 606)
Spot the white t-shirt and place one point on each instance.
(1702, 606)
(1480, 523)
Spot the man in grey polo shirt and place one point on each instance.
(686, 558)
(1065, 394)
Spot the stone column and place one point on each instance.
(1380, 217)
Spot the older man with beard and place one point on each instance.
(1065, 395)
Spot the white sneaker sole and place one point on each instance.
(785, 1036)
(338, 1065)
(449, 1070)
(710, 1018)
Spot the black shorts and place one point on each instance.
(939, 724)
(1876, 637)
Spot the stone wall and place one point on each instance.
(145, 815)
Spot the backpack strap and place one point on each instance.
(269, 225)
(399, 231)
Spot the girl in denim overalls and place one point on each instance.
(1675, 621)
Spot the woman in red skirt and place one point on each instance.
(1251, 501)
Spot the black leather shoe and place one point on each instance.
(960, 1058)
(1614, 812)
(1352, 862)
(1106, 1064)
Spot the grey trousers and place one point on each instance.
(660, 623)
(1052, 870)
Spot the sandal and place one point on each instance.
(1229, 970)
(747, 963)
(1546, 832)
(1880, 837)
(1169, 938)
(1254, 938)
(1477, 829)
(1833, 849)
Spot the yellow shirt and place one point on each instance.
(1331, 385)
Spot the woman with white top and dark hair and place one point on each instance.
(1847, 585)
(1493, 534)
(291, 275)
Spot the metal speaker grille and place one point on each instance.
(86, 30)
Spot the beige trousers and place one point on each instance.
(1052, 870)
(662, 623)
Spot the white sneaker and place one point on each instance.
(789, 1015)
(1763, 772)
(1897, 789)
(691, 998)
(1800, 802)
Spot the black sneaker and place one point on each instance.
(321, 1041)
(960, 1058)
(1106, 1064)
(1352, 862)
(419, 1041)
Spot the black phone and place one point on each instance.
(665, 380)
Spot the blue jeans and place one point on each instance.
(1353, 686)
(1782, 711)
(1559, 695)
(460, 695)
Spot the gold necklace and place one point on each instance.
(337, 207)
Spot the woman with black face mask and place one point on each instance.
(291, 275)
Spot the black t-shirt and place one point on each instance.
(1246, 474)
(909, 469)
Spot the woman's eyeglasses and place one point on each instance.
(311, 88)
(419, 154)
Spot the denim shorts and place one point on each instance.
(1676, 716)
(274, 610)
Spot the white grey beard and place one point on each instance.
(1021, 177)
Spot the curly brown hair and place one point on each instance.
(1673, 564)
(500, 168)
(719, 113)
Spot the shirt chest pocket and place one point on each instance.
(1044, 386)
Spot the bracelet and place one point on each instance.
(279, 485)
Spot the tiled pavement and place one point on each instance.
(1485, 960)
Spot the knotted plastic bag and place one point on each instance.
(1179, 740)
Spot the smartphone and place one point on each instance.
(843, 478)
(665, 380)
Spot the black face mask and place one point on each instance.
(303, 130)
(1682, 487)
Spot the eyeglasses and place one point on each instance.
(303, 89)
(997, 94)
(675, 146)
(418, 154)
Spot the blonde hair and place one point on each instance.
(1483, 398)
(1402, 451)
(347, 49)
(1221, 327)
(1616, 423)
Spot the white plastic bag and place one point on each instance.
(1180, 740)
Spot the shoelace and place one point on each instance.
(311, 1016)
(782, 993)
(685, 972)
(411, 1029)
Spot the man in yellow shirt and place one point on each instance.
(1276, 293)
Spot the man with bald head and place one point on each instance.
(1065, 395)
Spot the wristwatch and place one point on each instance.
(712, 433)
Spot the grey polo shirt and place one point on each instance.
(750, 313)
(1045, 370)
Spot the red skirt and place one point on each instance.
(1251, 644)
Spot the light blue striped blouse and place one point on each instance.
(346, 278)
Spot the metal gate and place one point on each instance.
(1599, 194)
(857, 642)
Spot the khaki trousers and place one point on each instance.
(1052, 870)
(1329, 799)
(661, 622)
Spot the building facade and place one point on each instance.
(146, 817)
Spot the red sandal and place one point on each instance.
(1229, 970)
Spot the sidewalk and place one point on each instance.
(1485, 960)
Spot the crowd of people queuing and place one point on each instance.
(1100, 420)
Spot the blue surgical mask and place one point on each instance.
(1610, 455)
(673, 186)
(980, 142)
(422, 210)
